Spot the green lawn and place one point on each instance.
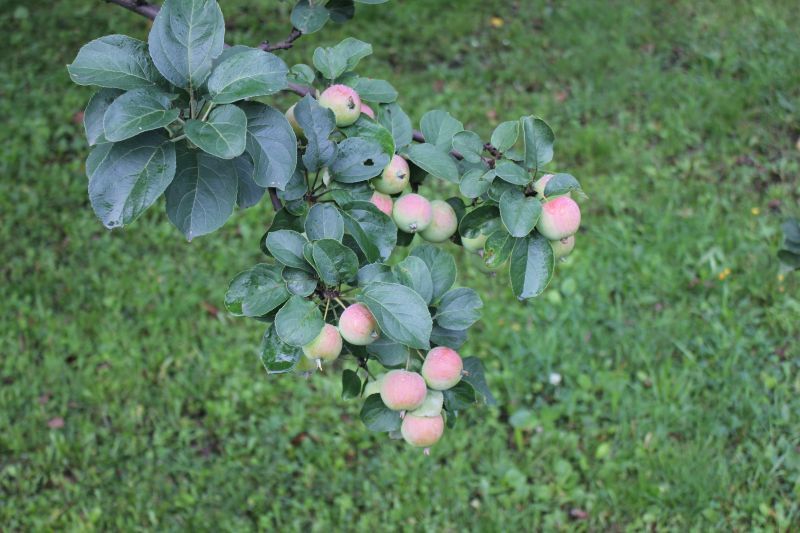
(676, 341)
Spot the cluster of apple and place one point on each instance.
(417, 396)
(435, 221)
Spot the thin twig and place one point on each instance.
(276, 202)
(284, 44)
(138, 6)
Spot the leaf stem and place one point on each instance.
(338, 301)
(178, 138)
(208, 110)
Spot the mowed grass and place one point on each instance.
(675, 340)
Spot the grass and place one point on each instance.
(675, 339)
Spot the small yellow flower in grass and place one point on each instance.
(516, 327)
(724, 274)
(497, 22)
(755, 211)
(781, 277)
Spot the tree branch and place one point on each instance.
(284, 44)
(146, 9)
(138, 6)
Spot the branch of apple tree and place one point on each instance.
(146, 9)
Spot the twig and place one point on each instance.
(284, 44)
(276, 202)
(138, 6)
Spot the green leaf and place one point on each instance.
(476, 181)
(479, 220)
(318, 124)
(272, 144)
(299, 281)
(519, 213)
(95, 111)
(375, 272)
(256, 291)
(128, 177)
(366, 128)
(185, 38)
(538, 141)
(505, 135)
(561, 184)
(373, 230)
(469, 144)
(302, 73)
(358, 160)
(377, 417)
(340, 10)
(324, 222)
(223, 135)
(439, 127)
(138, 111)
(248, 193)
(277, 356)
(414, 274)
(309, 18)
(532, 263)
(498, 248)
(454, 339)
(334, 262)
(498, 189)
(512, 172)
(334, 61)
(202, 196)
(351, 384)
(441, 265)
(401, 313)
(459, 309)
(393, 118)
(299, 321)
(116, 62)
(247, 74)
(789, 260)
(286, 246)
(474, 374)
(372, 90)
(434, 161)
(460, 397)
(389, 353)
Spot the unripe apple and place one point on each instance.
(422, 431)
(412, 213)
(443, 224)
(367, 110)
(343, 101)
(442, 368)
(561, 217)
(293, 121)
(327, 346)
(382, 202)
(402, 390)
(563, 247)
(394, 177)
(431, 406)
(473, 244)
(357, 325)
(374, 386)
